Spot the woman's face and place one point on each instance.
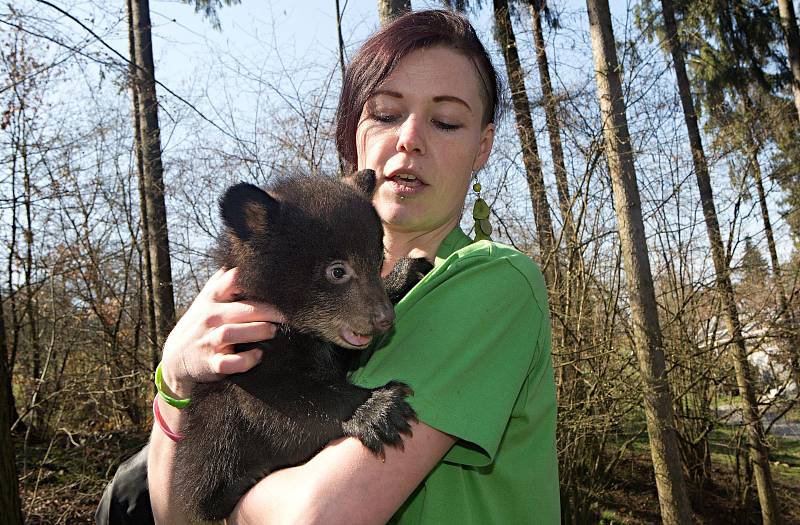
(422, 133)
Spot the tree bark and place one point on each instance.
(164, 306)
(792, 35)
(759, 455)
(672, 494)
(388, 10)
(455, 5)
(9, 483)
(787, 313)
(342, 69)
(12, 299)
(553, 128)
(37, 419)
(570, 282)
(150, 321)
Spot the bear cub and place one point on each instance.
(313, 247)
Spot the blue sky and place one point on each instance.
(301, 30)
(295, 41)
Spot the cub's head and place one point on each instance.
(313, 247)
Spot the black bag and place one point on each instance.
(126, 500)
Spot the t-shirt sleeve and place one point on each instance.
(466, 347)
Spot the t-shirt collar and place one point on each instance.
(454, 241)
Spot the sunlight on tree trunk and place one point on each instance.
(388, 10)
(672, 494)
(149, 300)
(164, 306)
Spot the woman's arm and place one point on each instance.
(345, 483)
(200, 349)
(160, 468)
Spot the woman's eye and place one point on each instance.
(444, 126)
(384, 117)
(338, 273)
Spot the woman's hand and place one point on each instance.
(200, 347)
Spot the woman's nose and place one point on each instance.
(411, 136)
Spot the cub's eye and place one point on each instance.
(338, 273)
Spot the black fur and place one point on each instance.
(406, 273)
(297, 399)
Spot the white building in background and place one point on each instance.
(768, 356)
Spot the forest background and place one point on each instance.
(647, 159)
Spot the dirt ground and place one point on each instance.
(64, 479)
(633, 498)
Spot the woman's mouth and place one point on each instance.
(405, 184)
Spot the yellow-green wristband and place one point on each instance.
(177, 403)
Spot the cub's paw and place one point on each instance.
(404, 276)
(383, 418)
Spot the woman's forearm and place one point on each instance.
(160, 467)
(344, 483)
(200, 349)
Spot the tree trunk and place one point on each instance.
(455, 5)
(150, 322)
(553, 128)
(37, 419)
(388, 10)
(12, 299)
(9, 484)
(672, 494)
(792, 36)
(164, 306)
(530, 151)
(758, 449)
(342, 69)
(570, 282)
(787, 313)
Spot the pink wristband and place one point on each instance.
(163, 424)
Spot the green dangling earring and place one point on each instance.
(480, 212)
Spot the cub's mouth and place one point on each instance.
(352, 339)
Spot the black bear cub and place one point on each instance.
(313, 248)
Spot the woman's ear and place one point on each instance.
(484, 147)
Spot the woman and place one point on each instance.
(473, 340)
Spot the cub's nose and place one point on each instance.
(384, 318)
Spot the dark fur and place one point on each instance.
(406, 273)
(297, 399)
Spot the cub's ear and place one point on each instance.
(363, 180)
(247, 210)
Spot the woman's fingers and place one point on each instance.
(232, 334)
(222, 289)
(225, 364)
(201, 346)
(245, 312)
(222, 286)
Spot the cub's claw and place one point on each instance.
(383, 418)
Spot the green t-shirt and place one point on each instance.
(473, 341)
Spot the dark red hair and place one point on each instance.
(381, 53)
